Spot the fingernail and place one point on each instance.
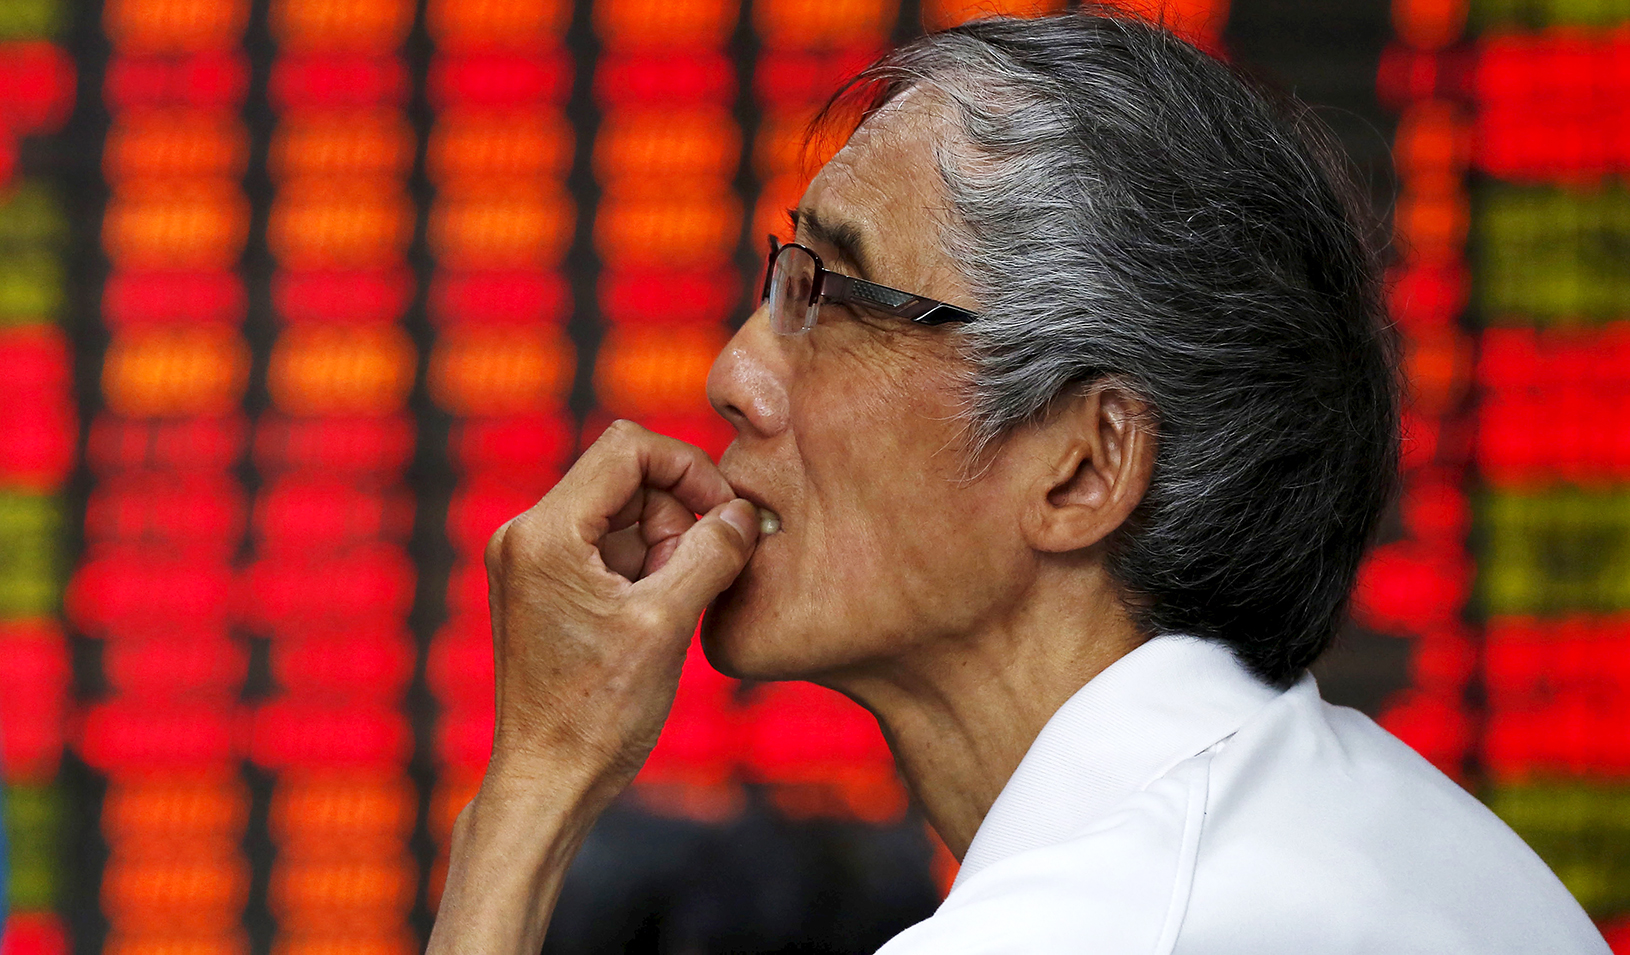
(743, 517)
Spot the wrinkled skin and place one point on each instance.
(962, 602)
(851, 433)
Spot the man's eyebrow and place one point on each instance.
(844, 237)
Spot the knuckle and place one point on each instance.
(496, 546)
(509, 545)
(646, 619)
(624, 431)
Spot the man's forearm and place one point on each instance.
(511, 848)
(595, 592)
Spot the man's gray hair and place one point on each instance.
(1130, 210)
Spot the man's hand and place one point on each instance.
(595, 592)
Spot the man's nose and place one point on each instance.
(748, 381)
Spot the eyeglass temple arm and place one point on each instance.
(925, 311)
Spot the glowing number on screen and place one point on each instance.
(324, 369)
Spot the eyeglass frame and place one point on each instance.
(839, 289)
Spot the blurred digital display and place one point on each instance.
(1511, 158)
(365, 275)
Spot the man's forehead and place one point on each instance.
(887, 168)
(906, 123)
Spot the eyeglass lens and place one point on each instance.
(791, 279)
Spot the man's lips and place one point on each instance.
(769, 522)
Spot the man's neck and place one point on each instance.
(960, 713)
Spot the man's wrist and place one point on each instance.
(530, 808)
(517, 806)
(533, 783)
(511, 847)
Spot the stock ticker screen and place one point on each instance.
(301, 299)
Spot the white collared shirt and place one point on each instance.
(1176, 804)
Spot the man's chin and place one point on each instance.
(739, 643)
(722, 634)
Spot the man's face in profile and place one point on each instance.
(852, 434)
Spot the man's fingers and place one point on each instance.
(625, 459)
(623, 552)
(663, 518)
(629, 514)
(649, 537)
(708, 557)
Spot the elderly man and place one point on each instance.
(1062, 426)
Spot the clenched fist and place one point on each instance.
(595, 592)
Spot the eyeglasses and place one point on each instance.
(795, 286)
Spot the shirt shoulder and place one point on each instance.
(1324, 832)
(1177, 806)
(1117, 887)
(1310, 829)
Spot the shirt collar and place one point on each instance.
(1169, 699)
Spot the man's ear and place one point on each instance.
(1097, 452)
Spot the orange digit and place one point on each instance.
(487, 145)
(634, 23)
(181, 143)
(494, 371)
(646, 150)
(326, 370)
(825, 23)
(174, 26)
(371, 143)
(187, 370)
(368, 25)
(347, 894)
(196, 223)
(474, 24)
(344, 817)
(335, 223)
(656, 370)
(690, 230)
(197, 894)
(145, 816)
(501, 225)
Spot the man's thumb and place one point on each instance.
(709, 556)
